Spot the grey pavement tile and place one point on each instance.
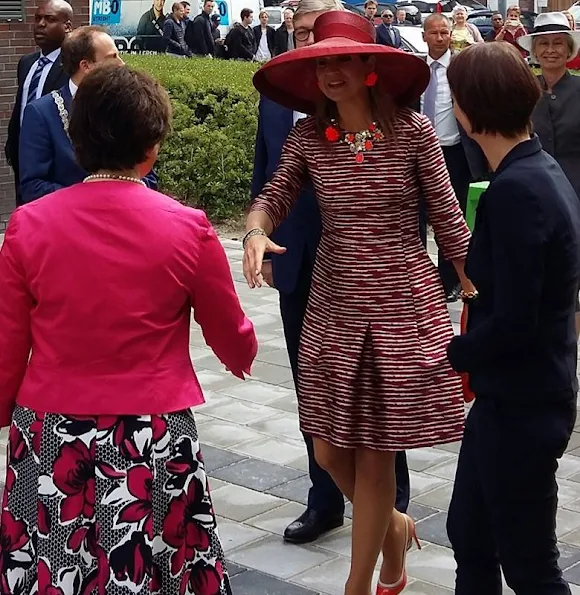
(234, 535)
(224, 434)
(422, 588)
(271, 373)
(289, 384)
(420, 459)
(239, 504)
(288, 404)
(240, 412)
(296, 490)
(274, 556)
(574, 443)
(234, 569)
(575, 589)
(281, 424)
(433, 529)
(566, 522)
(279, 357)
(338, 541)
(572, 574)
(212, 380)
(216, 458)
(209, 362)
(301, 463)
(281, 451)
(433, 564)
(261, 393)
(276, 521)
(253, 582)
(257, 475)
(450, 447)
(421, 483)
(438, 498)
(569, 555)
(418, 512)
(444, 470)
(328, 578)
(569, 468)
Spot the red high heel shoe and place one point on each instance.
(410, 536)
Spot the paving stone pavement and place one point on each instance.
(257, 465)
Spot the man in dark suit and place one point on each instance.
(291, 274)
(386, 33)
(38, 73)
(464, 159)
(47, 159)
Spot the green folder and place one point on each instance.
(475, 191)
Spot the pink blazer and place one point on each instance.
(97, 283)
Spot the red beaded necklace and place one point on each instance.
(358, 142)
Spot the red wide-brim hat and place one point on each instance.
(290, 78)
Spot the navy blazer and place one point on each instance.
(384, 38)
(524, 259)
(300, 232)
(56, 78)
(47, 159)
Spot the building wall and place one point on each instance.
(15, 41)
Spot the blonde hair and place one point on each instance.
(308, 6)
(263, 11)
(569, 42)
(570, 18)
(512, 8)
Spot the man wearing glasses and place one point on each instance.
(497, 22)
(386, 33)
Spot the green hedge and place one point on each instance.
(208, 158)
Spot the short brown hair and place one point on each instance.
(371, 3)
(495, 88)
(118, 115)
(78, 46)
(246, 12)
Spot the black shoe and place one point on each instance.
(453, 295)
(310, 525)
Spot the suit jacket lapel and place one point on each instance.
(54, 74)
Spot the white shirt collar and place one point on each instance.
(444, 60)
(72, 88)
(53, 55)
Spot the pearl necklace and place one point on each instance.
(94, 177)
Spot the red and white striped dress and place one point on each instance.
(373, 369)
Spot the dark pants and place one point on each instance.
(324, 495)
(460, 175)
(503, 509)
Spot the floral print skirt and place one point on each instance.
(108, 505)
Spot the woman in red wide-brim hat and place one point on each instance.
(373, 372)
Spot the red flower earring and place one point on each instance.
(371, 79)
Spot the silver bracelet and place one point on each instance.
(257, 231)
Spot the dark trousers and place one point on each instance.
(503, 509)
(460, 175)
(324, 495)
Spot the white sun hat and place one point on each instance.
(548, 23)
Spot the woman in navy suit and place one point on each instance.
(520, 345)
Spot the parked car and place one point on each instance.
(482, 20)
(412, 12)
(412, 41)
(574, 10)
(275, 16)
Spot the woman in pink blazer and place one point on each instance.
(106, 490)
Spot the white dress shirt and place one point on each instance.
(445, 122)
(299, 116)
(53, 56)
(72, 88)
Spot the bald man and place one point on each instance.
(39, 73)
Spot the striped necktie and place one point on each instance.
(35, 80)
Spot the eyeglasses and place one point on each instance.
(387, 16)
(302, 34)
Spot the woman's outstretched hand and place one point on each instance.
(256, 247)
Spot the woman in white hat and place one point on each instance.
(556, 119)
